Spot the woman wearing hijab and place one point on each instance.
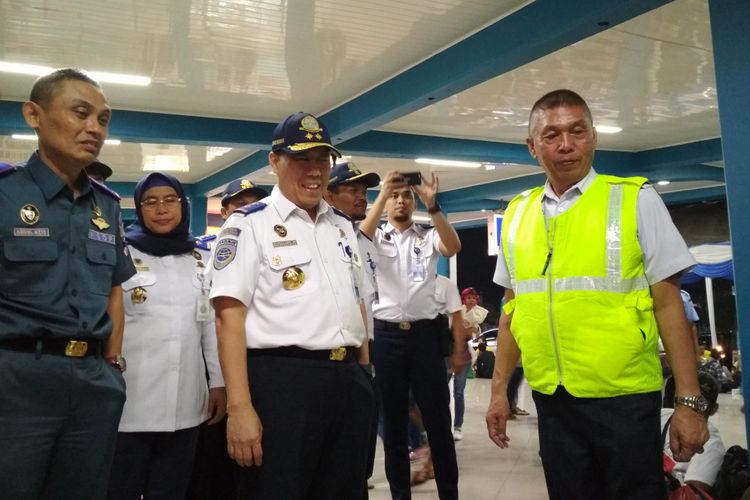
(170, 346)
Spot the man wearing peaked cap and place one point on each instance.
(347, 192)
(240, 192)
(288, 290)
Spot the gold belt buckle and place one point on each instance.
(76, 348)
(338, 354)
(404, 325)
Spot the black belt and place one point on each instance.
(404, 325)
(73, 348)
(292, 351)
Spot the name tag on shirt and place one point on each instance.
(38, 232)
(103, 237)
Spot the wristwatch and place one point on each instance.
(118, 362)
(697, 403)
(434, 209)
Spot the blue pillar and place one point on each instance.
(443, 267)
(731, 43)
(198, 213)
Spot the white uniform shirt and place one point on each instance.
(370, 256)
(165, 345)
(703, 467)
(446, 293)
(404, 258)
(254, 253)
(664, 250)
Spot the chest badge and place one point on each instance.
(29, 214)
(98, 220)
(138, 295)
(197, 255)
(276, 260)
(293, 278)
(280, 230)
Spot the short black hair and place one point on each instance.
(558, 98)
(710, 388)
(45, 87)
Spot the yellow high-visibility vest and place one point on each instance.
(583, 312)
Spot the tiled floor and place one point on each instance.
(488, 473)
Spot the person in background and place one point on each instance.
(703, 469)
(474, 315)
(485, 363)
(347, 192)
(288, 289)
(239, 193)
(61, 316)
(99, 171)
(213, 475)
(406, 351)
(170, 341)
(591, 267)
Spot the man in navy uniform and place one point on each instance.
(240, 192)
(62, 261)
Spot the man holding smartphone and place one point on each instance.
(406, 351)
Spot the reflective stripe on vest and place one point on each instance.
(613, 282)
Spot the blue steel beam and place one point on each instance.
(540, 28)
(731, 44)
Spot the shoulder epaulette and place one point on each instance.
(360, 233)
(6, 169)
(342, 214)
(248, 209)
(104, 189)
(203, 241)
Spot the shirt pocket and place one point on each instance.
(138, 288)
(101, 258)
(28, 266)
(291, 273)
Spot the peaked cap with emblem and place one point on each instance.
(300, 132)
(238, 186)
(348, 172)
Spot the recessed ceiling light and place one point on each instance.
(449, 163)
(608, 129)
(663, 183)
(100, 76)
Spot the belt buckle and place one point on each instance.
(404, 325)
(76, 348)
(338, 354)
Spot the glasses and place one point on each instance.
(168, 202)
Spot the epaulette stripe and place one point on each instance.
(253, 207)
(6, 169)
(104, 189)
(342, 214)
(360, 233)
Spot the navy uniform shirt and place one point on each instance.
(59, 257)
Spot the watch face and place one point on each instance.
(702, 404)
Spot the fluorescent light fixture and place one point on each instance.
(166, 163)
(489, 166)
(113, 142)
(100, 76)
(608, 129)
(449, 163)
(213, 152)
(24, 137)
(346, 157)
(663, 183)
(502, 112)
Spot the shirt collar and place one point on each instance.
(48, 181)
(285, 207)
(579, 186)
(389, 228)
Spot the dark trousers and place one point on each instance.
(412, 358)
(58, 424)
(213, 470)
(603, 448)
(316, 417)
(156, 465)
(513, 384)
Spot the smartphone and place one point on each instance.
(412, 178)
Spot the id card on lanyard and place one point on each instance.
(417, 266)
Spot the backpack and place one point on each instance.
(734, 477)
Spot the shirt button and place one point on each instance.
(85, 325)
(74, 293)
(73, 250)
